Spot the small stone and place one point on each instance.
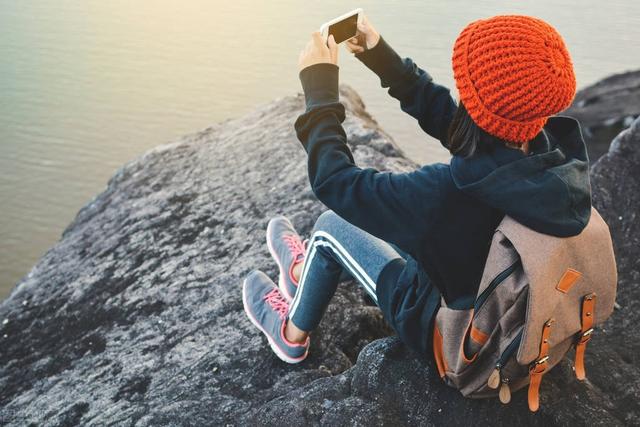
(5, 321)
(627, 121)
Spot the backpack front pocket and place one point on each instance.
(502, 301)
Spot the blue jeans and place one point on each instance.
(335, 247)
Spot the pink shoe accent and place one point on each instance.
(293, 279)
(274, 346)
(298, 249)
(291, 343)
(275, 299)
(296, 246)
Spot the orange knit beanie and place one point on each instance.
(512, 73)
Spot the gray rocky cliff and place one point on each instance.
(135, 316)
(605, 108)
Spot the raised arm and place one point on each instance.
(430, 103)
(392, 206)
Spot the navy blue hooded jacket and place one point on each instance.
(443, 215)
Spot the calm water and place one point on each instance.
(86, 85)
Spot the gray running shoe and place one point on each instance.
(287, 249)
(268, 309)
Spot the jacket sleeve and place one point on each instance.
(381, 203)
(431, 104)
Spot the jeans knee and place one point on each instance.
(327, 221)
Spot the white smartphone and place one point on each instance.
(343, 27)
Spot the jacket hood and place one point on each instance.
(547, 190)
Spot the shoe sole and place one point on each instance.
(272, 344)
(281, 285)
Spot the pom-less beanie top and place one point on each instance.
(512, 72)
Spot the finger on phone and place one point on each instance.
(331, 42)
(353, 47)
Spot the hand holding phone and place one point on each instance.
(318, 51)
(366, 37)
(343, 27)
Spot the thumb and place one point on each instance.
(333, 48)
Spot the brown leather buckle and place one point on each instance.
(585, 336)
(543, 360)
(538, 367)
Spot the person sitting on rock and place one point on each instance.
(410, 238)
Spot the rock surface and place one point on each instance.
(135, 316)
(605, 108)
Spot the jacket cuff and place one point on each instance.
(320, 84)
(384, 61)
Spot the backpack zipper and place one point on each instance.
(494, 283)
(508, 352)
(495, 379)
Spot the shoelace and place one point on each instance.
(275, 299)
(297, 247)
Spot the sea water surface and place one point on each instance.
(86, 85)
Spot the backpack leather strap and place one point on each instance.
(588, 312)
(538, 367)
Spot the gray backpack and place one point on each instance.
(539, 296)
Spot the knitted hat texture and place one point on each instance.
(512, 72)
